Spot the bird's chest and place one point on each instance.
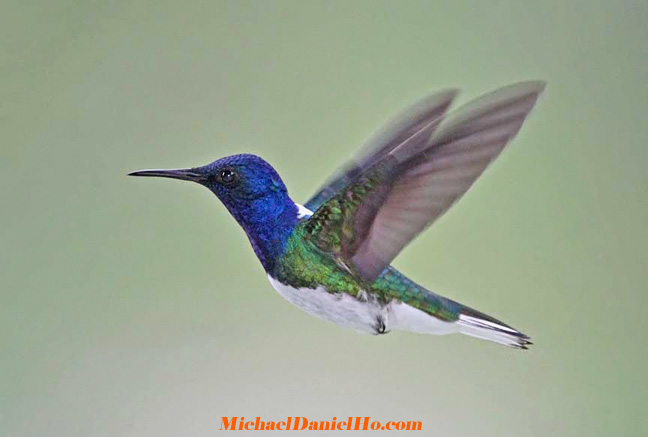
(340, 308)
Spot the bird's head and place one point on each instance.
(248, 186)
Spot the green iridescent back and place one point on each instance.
(303, 265)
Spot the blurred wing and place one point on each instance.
(372, 219)
(414, 124)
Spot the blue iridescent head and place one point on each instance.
(254, 194)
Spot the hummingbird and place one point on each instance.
(331, 256)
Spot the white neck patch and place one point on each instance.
(302, 211)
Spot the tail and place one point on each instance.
(479, 325)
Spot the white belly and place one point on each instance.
(362, 315)
(339, 308)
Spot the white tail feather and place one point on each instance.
(488, 330)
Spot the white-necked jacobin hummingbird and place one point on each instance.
(331, 257)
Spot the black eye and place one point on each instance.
(228, 176)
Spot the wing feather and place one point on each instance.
(413, 126)
(396, 197)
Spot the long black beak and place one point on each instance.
(186, 174)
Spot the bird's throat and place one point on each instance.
(268, 226)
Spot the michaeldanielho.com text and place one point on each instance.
(302, 423)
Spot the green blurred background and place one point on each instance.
(136, 307)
